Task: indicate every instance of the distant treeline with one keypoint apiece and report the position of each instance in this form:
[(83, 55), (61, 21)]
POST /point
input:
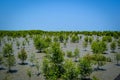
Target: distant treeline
[(40, 32)]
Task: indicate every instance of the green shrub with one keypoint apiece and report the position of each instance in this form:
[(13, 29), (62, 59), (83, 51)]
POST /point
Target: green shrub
[(22, 55), (113, 46), (98, 47), (85, 68), (86, 39), (107, 38), (69, 54), (75, 39), (71, 70), (117, 57)]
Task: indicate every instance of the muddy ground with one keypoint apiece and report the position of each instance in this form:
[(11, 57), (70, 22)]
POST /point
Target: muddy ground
[(109, 72)]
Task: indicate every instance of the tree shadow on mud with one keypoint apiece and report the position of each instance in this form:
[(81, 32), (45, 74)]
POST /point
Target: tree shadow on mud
[(117, 64), (118, 77), (2, 68), (39, 51), (23, 63), (33, 65), (105, 53), (99, 69), (113, 51), (12, 71), (86, 79)]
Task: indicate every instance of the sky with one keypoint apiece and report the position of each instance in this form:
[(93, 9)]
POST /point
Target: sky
[(58, 15)]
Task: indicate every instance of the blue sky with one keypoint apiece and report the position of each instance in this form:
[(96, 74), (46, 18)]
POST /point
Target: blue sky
[(59, 15)]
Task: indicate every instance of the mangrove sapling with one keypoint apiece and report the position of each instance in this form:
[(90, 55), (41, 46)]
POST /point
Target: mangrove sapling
[(55, 39), (100, 60), (9, 56), (107, 38), (65, 43), (32, 59), (80, 37), (85, 45), (86, 39), (90, 39), (71, 70), (37, 65), (117, 57), (45, 67), (40, 44), (24, 43), (61, 38), (22, 55), (7, 49), (1, 60), (118, 44), (52, 67), (75, 39), (29, 73), (97, 39), (76, 54), (18, 44), (9, 62), (85, 68), (98, 47), (94, 78), (66, 38), (113, 46), (69, 54)]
